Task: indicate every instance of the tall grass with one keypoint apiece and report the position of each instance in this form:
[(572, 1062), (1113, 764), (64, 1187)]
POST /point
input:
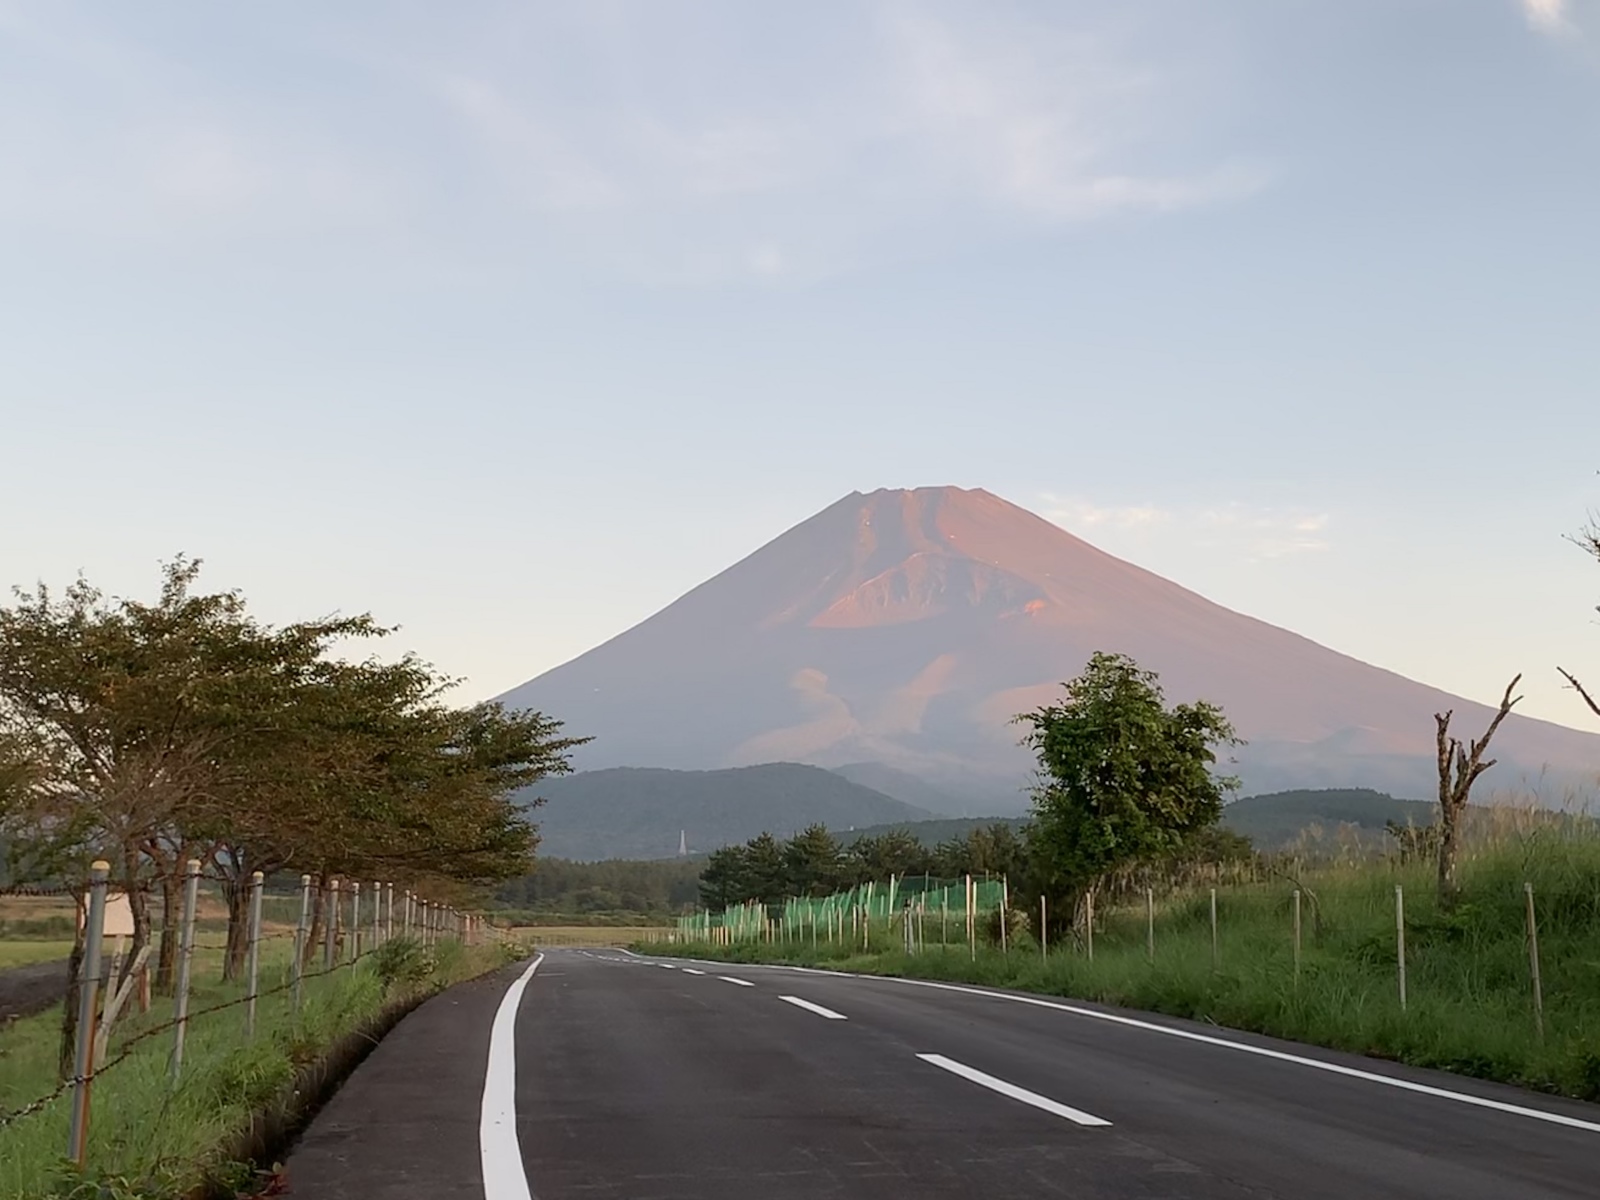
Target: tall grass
[(1470, 999), (149, 1138)]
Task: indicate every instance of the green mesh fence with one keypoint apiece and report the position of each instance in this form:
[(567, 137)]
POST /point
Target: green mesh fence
[(945, 899)]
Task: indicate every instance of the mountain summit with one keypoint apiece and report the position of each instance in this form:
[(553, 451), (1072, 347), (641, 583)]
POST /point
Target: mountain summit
[(907, 627)]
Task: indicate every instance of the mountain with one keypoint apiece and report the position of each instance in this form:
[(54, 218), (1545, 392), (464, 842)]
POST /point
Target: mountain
[(907, 627), (634, 812), (903, 785)]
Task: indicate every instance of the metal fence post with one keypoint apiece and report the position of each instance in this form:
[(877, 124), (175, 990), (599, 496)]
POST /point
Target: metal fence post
[(1088, 925), (180, 1004), (1533, 963), (1400, 940), (355, 919), (330, 906), (1044, 949), (1150, 924), (301, 932), (253, 952), (377, 914), (1215, 955), (88, 998), (388, 911), (1297, 939)]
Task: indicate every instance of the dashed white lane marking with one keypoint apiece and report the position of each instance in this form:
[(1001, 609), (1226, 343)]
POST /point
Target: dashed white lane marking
[(731, 979), (1299, 1060), (668, 966), (500, 1155), (816, 1008), (692, 971), (1076, 1115)]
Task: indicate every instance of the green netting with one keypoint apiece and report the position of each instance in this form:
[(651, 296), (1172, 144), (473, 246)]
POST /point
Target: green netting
[(867, 902)]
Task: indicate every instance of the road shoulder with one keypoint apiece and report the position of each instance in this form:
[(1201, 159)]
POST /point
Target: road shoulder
[(405, 1124)]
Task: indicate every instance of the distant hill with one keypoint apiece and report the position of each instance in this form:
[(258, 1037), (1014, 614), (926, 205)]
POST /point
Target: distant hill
[(638, 812), (912, 789), (1270, 821), (1276, 819)]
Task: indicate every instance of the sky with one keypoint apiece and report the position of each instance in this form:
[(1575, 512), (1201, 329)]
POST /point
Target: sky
[(510, 323)]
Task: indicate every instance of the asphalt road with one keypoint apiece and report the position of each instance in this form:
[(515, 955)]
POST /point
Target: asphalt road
[(617, 1076)]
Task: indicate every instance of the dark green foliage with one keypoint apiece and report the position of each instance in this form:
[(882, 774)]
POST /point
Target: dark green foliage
[(1126, 779), (1275, 819), (658, 887), (639, 812), (813, 862), (816, 863)]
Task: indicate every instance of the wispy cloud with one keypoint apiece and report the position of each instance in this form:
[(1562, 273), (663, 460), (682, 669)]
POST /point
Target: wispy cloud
[(701, 144), (1548, 16), (1251, 532)]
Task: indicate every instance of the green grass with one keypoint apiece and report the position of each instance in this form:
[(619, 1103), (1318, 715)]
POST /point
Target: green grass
[(1470, 1006), (20, 954), (161, 1140)]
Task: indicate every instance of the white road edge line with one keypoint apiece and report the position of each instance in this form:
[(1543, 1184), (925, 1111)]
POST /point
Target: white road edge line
[(1076, 1115), (499, 1152), (1299, 1060), (731, 979), (815, 1008)]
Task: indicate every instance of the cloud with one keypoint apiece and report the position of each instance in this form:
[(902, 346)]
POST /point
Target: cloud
[(1548, 16), (713, 143), (1035, 117), (1249, 532)]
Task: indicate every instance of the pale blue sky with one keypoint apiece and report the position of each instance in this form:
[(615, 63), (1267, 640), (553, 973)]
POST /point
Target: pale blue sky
[(514, 322)]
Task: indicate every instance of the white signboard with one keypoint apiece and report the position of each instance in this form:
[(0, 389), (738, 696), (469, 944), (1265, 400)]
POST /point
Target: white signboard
[(119, 914)]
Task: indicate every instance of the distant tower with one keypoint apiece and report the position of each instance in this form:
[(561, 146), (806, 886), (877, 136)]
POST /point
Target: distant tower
[(683, 843)]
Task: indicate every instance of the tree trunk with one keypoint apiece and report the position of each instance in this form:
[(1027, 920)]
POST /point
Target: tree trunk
[(313, 946), (1449, 892), (139, 906), (69, 1017), (167, 948), (237, 895)]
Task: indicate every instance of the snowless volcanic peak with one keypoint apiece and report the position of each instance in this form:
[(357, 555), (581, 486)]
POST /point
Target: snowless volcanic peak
[(908, 627)]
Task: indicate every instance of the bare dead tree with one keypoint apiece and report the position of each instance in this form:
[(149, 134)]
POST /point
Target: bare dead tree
[(1459, 767), (1578, 687)]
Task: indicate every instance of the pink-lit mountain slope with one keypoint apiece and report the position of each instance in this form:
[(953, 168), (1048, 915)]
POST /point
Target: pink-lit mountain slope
[(907, 627)]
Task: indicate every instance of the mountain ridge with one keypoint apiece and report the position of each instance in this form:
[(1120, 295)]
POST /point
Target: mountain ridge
[(907, 627)]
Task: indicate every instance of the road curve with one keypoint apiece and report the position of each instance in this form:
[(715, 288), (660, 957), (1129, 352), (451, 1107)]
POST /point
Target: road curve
[(655, 1078)]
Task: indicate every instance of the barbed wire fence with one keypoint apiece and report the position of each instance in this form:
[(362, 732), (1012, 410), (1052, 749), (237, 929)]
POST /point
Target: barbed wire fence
[(354, 926)]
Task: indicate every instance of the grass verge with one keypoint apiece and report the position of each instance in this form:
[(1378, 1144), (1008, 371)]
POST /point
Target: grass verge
[(149, 1138), (1469, 1004)]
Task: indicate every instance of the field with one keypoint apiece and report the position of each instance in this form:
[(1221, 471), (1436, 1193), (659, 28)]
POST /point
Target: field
[(590, 935), (1470, 1002)]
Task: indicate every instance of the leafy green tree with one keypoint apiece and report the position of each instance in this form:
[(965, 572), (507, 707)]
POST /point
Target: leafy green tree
[(894, 852), (1123, 777), (766, 875), (725, 878), (813, 860)]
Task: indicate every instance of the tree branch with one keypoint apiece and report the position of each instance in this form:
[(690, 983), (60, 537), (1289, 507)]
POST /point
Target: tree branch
[(1578, 687)]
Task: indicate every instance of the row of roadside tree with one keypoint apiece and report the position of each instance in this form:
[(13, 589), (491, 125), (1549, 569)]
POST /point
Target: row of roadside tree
[(152, 733)]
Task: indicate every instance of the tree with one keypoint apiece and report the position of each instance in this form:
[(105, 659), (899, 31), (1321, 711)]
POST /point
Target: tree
[(1587, 539), (1459, 768), (766, 879), (894, 852), (1123, 777), (725, 879), (812, 860)]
